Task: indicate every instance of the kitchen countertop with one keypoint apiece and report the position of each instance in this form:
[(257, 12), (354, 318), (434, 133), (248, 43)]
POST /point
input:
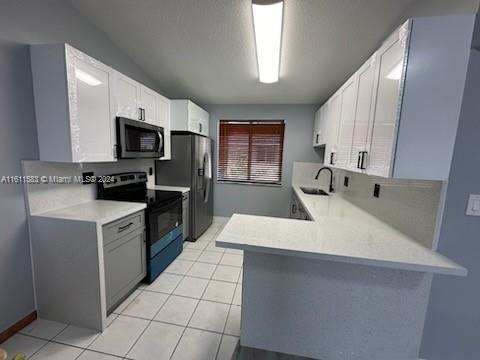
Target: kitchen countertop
[(169, 188), (340, 231), (99, 211)]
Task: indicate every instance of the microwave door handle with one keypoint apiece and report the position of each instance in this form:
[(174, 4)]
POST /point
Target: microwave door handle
[(160, 140)]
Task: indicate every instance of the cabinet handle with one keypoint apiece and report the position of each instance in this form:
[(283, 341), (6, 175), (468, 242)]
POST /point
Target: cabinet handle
[(200, 127), (332, 156), (363, 161), (316, 139), (359, 161), (141, 113), (123, 228)]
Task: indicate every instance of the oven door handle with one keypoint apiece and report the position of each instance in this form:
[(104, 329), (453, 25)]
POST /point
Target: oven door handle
[(166, 205)]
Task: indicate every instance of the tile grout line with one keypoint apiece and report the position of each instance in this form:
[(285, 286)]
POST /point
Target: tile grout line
[(48, 341), (186, 326), (150, 321)]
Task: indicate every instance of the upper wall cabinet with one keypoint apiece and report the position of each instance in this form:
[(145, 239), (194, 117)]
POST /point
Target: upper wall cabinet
[(164, 120), (188, 116), (126, 97), (77, 99), (397, 115), (320, 126), (134, 100), (362, 118), (72, 104)]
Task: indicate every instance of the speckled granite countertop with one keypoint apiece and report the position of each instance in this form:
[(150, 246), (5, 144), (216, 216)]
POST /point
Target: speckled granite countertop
[(340, 231), (98, 211)]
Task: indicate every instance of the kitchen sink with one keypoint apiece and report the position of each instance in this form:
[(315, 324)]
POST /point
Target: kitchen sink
[(313, 191)]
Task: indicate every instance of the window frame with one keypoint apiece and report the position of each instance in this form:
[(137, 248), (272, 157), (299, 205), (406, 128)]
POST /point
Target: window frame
[(249, 183)]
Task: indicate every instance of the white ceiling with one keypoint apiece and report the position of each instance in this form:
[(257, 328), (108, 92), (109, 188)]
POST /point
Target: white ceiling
[(204, 49)]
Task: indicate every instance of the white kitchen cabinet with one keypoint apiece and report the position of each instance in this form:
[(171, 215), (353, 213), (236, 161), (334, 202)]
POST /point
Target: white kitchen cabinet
[(134, 100), (126, 97), (316, 127), (332, 121), (363, 121), (148, 104), (319, 127), (407, 102), (72, 105), (391, 58), (77, 99), (164, 120), (188, 116), (348, 95)]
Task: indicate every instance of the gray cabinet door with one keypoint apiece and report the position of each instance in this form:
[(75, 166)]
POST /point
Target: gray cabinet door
[(125, 265)]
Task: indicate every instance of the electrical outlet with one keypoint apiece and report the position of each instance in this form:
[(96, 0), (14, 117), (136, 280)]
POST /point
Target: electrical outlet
[(376, 190), (345, 181)]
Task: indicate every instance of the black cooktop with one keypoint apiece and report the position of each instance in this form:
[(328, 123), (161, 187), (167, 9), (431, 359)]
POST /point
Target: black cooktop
[(150, 197), (132, 187)]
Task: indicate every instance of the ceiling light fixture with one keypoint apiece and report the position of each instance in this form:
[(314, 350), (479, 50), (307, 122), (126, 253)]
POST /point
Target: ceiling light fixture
[(267, 22), (86, 78)]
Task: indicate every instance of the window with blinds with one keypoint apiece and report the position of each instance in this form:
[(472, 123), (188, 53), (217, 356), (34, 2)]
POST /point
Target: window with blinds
[(250, 151)]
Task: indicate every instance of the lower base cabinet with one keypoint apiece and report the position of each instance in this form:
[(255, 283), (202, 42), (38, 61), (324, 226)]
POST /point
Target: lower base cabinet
[(296, 209), (124, 257)]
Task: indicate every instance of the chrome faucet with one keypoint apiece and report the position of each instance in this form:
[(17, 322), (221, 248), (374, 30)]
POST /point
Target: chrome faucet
[(330, 189)]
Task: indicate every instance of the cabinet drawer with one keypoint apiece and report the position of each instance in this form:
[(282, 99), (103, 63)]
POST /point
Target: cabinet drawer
[(122, 227)]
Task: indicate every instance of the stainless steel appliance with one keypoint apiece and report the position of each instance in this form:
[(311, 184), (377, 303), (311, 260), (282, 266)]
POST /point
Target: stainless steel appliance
[(136, 139), (163, 217), (191, 166)]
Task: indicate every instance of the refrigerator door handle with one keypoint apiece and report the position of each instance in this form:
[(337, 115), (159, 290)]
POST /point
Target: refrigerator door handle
[(207, 176)]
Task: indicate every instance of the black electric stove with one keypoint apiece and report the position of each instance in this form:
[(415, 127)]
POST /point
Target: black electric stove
[(163, 216)]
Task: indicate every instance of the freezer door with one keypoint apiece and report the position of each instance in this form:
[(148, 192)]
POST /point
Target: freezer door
[(178, 170), (203, 185)]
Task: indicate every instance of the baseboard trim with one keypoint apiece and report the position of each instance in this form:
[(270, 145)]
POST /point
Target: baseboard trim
[(19, 325)]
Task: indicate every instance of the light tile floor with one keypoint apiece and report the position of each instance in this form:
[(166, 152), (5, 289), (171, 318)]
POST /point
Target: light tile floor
[(192, 311)]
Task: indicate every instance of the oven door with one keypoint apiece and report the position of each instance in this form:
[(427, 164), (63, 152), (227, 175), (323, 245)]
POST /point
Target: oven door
[(136, 139), (164, 224)]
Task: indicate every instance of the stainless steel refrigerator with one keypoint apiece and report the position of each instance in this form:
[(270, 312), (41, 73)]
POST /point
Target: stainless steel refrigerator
[(191, 166)]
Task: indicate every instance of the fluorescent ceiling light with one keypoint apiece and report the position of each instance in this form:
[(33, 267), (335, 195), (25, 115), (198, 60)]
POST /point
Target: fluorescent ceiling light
[(267, 21), (396, 72), (86, 78)]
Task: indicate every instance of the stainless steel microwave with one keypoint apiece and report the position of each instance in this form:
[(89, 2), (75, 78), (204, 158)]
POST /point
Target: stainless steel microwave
[(136, 139)]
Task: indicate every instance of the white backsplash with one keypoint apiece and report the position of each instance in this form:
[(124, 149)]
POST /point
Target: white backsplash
[(46, 197), (411, 206), (304, 174)]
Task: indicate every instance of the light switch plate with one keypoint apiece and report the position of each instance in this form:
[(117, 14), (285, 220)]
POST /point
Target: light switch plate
[(473, 207)]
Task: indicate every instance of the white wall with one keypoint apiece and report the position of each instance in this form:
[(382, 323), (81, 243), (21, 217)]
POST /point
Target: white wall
[(258, 199), (452, 329), (24, 22), (453, 320)]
